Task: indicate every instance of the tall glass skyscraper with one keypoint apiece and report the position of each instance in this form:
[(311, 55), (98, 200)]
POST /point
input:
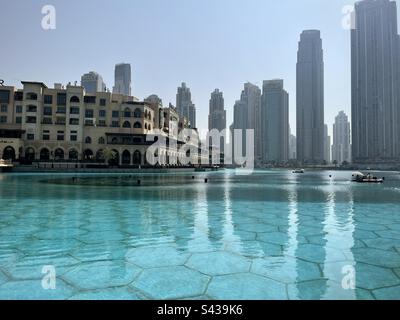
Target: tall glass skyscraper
[(375, 59), (184, 104), (310, 98), (93, 82), (123, 79), (217, 112), (274, 122)]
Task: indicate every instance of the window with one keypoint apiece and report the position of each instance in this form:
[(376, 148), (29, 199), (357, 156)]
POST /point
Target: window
[(30, 119), (74, 122), (102, 123), (48, 99), (47, 121), (89, 113), (88, 140), (31, 96), (18, 120), (4, 96), (102, 140), (46, 136), (90, 99), (4, 108), (137, 125), (126, 124), (30, 136), (60, 121), (61, 99), (61, 110), (47, 111), (115, 124), (127, 113), (137, 113), (18, 96), (74, 99), (102, 102), (73, 137), (31, 108), (18, 109), (115, 114), (74, 110), (60, 135), (3, 119), (102, 113)]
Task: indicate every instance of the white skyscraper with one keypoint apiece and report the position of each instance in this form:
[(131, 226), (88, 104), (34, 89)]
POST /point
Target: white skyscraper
[(341, 149), (123, 79), (327, 145)]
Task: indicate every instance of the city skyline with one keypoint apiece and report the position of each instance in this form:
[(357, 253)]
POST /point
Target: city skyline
[(160, 73)]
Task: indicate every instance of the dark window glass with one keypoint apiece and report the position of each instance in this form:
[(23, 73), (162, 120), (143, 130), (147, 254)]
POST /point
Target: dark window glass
[(30, 119), (61, 110), (18, 109), (115, 124), (47, 121), (18, 96), (102, 113), (74, 137), (4, 108), (74, 110), (30, 136), (3, 119), (115, 114), (31, 108), (90, 99), (61, 99), (48, 99), (18, 120), (74, 122), (46, 137), (102, 102), (102, 123), (89, 113), (47, 111)]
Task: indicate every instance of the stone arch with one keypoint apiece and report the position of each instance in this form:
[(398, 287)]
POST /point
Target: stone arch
[(126, 157)]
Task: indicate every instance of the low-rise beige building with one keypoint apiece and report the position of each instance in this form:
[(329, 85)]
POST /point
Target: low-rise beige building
[(41, 124)]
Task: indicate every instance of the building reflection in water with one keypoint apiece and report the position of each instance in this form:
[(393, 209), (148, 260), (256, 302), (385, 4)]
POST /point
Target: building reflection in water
[(339, 229), (201, 230)]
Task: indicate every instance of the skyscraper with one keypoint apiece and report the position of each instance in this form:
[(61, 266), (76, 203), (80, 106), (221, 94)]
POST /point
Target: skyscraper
[(327, 145), (122, 78), (93, 82), (310, 98), (375, 58), (251, 99), (247, 115), (217, 113), (184, 104), (341, 139), (274, 122)]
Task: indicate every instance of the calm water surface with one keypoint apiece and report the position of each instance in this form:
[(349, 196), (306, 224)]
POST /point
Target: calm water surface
[(271, 235)]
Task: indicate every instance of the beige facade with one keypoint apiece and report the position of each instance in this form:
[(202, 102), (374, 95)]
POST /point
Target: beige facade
[(66, 124)]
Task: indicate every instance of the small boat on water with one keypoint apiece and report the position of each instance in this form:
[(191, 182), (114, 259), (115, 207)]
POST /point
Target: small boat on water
[(298, 171), (5, 165), (359, 177)]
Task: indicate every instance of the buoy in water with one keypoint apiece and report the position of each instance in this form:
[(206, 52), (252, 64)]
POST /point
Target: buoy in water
[(206, 180)]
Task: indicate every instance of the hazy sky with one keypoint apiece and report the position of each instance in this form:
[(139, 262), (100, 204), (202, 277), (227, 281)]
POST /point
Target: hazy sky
[(206, 43)]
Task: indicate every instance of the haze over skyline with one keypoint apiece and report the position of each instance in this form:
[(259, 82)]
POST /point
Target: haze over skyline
[(207, 44)]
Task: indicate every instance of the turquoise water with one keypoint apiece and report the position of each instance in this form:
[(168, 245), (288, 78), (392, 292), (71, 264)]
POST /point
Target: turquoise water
[(271, 235)]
